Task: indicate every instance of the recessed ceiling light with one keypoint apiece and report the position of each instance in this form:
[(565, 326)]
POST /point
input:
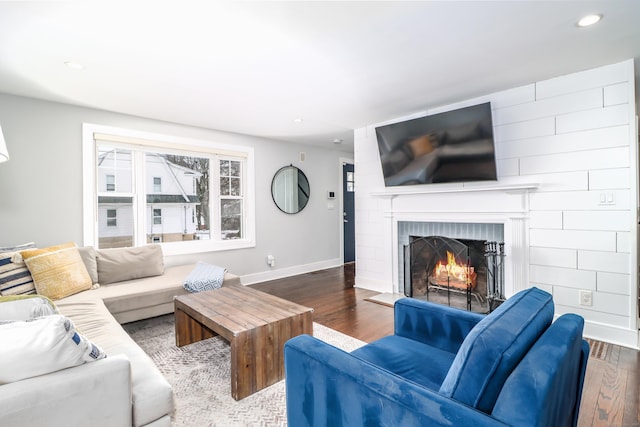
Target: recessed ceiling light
[(74, 65), (589, 20), (298, 120), (338, 141)]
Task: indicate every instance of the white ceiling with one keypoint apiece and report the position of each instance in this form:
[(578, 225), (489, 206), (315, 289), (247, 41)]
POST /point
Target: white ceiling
[(253, 67)]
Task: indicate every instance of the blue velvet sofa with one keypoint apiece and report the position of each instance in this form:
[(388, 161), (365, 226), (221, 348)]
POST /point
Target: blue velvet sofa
[(446, 367)]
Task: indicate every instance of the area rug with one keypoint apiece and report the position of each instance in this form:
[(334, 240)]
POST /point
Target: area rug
[(200, 376)]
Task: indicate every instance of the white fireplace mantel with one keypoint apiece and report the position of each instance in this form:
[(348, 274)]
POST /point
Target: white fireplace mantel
[(500, 203), (390, 192)]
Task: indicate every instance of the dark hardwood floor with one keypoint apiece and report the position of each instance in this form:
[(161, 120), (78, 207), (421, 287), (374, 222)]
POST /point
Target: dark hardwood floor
[(336, 303), (611, 395)]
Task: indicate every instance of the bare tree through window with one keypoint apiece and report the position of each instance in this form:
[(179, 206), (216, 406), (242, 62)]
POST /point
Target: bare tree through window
[(201, 165)]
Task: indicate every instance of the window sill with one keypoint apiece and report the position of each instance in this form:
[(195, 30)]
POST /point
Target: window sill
[(201, 246)]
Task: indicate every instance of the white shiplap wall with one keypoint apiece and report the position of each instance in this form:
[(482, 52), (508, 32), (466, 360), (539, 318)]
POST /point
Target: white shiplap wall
[(573, 135)]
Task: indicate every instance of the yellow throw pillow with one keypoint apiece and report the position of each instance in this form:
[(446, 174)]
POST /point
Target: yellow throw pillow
[(57, 271)]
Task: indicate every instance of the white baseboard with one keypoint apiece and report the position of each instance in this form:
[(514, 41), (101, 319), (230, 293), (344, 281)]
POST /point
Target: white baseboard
[(264, 276), (373, 285), (612, 334)]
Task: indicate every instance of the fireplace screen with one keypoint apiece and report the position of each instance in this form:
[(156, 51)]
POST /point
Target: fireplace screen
[(457, 272)]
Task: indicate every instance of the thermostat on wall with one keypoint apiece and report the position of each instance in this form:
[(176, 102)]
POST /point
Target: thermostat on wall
[(331, 194)]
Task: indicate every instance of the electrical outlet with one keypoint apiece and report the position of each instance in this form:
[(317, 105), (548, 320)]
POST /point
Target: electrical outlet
[(607, 199), (586, 298)]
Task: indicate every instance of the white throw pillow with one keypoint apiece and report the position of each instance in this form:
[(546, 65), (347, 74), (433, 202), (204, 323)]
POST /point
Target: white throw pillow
[(40, 346), (25, 307)]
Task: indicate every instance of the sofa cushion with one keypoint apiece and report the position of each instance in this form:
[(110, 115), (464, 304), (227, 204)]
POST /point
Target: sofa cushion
[(88, 255), (406, 358), (139, 293), (152, 394), (25, 307), (141, 298), (495, 346), (43, 345), (121, 264), (57, 271)]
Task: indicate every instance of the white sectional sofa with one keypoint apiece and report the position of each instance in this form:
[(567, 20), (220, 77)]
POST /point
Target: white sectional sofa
[(123, 389)]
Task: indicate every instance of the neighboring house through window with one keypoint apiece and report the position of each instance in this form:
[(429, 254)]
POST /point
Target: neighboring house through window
[(191, 195)]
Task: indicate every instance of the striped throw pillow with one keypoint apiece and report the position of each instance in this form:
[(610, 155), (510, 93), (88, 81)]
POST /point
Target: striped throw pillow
[(15, 279)]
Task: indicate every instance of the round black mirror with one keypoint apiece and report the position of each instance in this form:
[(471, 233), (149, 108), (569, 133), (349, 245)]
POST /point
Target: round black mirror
[(290, 189)]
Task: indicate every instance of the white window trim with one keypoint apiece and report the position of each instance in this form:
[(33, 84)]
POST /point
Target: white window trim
[(146, 139)]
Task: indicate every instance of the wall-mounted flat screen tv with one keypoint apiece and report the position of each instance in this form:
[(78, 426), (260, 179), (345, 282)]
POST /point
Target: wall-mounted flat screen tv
[(454, 146)]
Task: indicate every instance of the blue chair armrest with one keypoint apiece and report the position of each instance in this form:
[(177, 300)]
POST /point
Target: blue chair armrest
[(433, 324), (546, 386), (326, 386)]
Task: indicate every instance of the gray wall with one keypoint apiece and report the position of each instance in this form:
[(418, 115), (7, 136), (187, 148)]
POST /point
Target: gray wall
[(41, 186)]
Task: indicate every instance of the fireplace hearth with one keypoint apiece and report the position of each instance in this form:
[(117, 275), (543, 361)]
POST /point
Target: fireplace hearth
[(462, 273)]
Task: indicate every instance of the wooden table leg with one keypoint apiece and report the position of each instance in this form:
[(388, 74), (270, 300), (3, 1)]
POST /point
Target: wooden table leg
[(189, 330), (243, 365), (257, 355)]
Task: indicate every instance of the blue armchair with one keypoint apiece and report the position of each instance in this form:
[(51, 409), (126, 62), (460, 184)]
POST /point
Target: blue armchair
[(446, 367)]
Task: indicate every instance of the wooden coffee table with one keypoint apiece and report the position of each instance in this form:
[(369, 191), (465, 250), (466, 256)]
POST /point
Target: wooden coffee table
[(256, 325)]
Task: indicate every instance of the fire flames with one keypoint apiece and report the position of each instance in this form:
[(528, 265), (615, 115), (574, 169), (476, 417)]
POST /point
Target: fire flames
[(455, 273)]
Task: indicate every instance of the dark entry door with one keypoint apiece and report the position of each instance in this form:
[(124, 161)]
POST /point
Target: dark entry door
[(348, 197)]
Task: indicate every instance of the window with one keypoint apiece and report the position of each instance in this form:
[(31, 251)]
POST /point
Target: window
[(192, 198), (157, 216), (231, 199), (157, 184), (112, 218), (111, 183), (350, 182)]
